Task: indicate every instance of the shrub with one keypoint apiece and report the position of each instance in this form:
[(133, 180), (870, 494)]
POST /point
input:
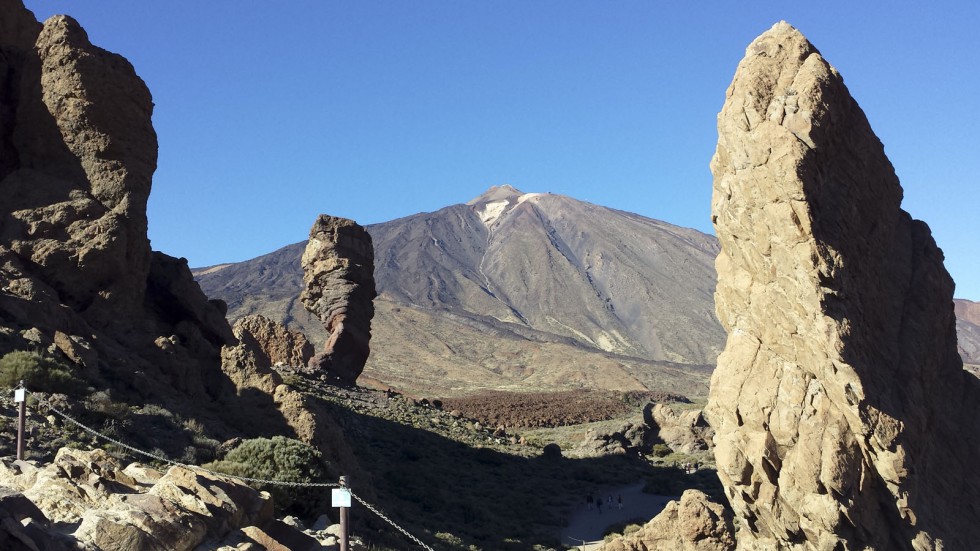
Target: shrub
[(280, 459), (661, 450), (40, 374), (551, 451)]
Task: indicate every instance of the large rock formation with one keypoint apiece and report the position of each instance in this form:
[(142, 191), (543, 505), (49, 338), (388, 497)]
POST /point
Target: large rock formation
[(844, 418), (78, 277), (282, 346), (693, 523), (134, 508), (338, 273)]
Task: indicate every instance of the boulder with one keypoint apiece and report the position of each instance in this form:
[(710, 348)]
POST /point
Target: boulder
[(338, 277), (685, 431), (694, 523), (281, 345), (843, 416)]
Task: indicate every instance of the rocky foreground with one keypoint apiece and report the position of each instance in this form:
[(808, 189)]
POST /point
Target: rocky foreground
[(88, 500)]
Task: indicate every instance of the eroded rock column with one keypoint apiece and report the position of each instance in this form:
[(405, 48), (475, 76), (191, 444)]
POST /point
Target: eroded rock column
[(842, 413), (338, 274)]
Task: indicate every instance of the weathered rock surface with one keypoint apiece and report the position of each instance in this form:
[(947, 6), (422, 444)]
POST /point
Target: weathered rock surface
[(338, 274), (694, 523), (281, 345), (684, 431), (78, 277), (109, 509), (78, 154), (844, 418)]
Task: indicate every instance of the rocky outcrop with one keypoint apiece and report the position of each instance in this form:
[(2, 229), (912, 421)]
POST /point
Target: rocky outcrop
[(694, 523), (76, 267), (281, 345), (685, 431), (338, 274), (135, 508), (844, 418)]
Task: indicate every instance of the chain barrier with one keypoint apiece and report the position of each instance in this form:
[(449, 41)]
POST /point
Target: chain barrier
[(43, 402), (389, 521)]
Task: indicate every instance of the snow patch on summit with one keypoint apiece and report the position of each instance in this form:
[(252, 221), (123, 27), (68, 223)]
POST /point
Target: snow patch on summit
[(491, 211)]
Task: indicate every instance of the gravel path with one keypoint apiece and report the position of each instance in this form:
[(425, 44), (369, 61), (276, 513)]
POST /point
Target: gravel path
[(586, 526)]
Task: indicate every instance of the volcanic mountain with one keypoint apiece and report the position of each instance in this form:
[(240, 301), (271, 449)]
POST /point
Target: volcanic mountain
[(529, 291), (571, 294)]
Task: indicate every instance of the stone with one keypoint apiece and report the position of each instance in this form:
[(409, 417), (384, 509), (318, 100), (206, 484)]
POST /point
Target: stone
[(281, 345), (694, 523), (223, 503), (24, 527), (338, 278), (684, 431), (78, 154), (321, 523), (280, 536), (843, 416)]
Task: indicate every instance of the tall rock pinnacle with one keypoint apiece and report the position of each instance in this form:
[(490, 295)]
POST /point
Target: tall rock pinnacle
[(338, 273), (844, 418)]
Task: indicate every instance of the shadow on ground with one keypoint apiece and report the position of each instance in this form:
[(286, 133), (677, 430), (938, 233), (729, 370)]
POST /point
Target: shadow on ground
[(455, 496)]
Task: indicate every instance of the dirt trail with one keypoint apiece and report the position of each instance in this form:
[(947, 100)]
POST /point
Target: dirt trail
[(585, 526)]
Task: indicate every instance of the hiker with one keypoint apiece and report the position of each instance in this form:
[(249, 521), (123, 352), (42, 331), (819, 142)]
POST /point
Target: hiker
[(588, 500), (598, 505), (619, 499)]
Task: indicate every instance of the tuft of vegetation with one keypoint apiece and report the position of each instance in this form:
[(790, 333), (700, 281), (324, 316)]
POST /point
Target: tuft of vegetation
[(280, 459), (39, 373)]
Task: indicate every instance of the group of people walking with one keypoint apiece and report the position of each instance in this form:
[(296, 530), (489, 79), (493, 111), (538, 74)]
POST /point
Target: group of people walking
[(597, 502)]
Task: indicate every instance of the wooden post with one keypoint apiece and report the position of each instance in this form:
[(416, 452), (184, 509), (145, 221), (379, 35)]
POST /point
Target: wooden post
[(19, 396), (344, 521)]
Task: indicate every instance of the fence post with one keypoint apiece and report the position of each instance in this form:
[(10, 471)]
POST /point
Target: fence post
[(344, 521), (21, 398)]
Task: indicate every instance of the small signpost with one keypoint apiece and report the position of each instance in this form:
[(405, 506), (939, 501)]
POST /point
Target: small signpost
[(20, 396), (340, 497)]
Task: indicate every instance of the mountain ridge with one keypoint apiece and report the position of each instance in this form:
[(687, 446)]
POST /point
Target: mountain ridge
[(584, 284)]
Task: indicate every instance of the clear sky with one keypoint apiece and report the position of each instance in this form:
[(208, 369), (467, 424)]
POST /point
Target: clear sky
[(269, 113)]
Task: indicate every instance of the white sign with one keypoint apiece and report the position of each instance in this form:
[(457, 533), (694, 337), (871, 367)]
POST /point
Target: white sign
[(19, 395), (340, 497)]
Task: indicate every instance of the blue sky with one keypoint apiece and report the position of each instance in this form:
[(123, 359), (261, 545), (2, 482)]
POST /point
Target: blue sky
[(271, 113)]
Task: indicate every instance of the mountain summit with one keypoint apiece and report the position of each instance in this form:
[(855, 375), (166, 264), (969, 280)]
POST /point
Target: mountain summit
[(533, 268)]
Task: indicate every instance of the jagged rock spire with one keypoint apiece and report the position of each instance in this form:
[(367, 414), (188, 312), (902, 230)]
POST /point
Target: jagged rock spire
[(844, 419)]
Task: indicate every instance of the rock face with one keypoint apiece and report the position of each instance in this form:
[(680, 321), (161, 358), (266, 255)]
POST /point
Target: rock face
[(78, 276), (338, 274), (844, 418), (282, 346), (684, 431), (692, 524), (135, 508)]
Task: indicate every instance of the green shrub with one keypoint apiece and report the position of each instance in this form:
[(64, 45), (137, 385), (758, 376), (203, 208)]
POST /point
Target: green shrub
[(661, 450), (280, 459), (40, 374)]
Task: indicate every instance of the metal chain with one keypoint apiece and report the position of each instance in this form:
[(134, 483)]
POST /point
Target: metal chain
[(389, 521), (98, 434)]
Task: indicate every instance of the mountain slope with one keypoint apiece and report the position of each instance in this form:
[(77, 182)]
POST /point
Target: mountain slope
[(576, 295), (611, 280)]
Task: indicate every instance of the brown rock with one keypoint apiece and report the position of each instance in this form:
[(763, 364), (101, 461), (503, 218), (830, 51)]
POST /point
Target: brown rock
[(338, 275), (279, 536), (694, 523), (844, 418), (281, 345), (683, 431), (224, 504)]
